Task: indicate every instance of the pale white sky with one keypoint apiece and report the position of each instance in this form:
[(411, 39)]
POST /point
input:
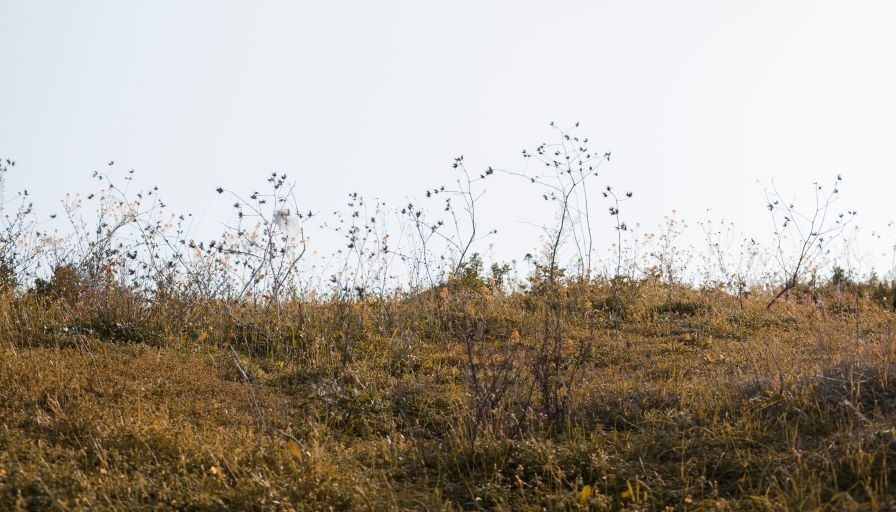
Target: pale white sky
[(697, 100)]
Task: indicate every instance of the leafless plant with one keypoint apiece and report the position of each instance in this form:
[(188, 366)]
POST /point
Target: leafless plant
[(802, 238), (570, 163)]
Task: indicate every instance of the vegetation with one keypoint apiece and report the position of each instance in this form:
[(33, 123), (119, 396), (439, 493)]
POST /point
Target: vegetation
[(142, 370)]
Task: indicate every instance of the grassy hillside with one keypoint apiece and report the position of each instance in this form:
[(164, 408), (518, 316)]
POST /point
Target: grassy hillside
[(587, 396), (141, 369)]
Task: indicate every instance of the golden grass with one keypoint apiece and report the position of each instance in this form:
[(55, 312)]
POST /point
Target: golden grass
[(450, 400)]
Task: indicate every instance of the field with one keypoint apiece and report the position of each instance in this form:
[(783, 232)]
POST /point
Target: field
[(601, 396), (141, 369)]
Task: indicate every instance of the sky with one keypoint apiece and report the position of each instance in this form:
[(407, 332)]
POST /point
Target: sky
[(700, 103)]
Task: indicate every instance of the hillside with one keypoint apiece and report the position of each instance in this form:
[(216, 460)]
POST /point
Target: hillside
[(600, 396)]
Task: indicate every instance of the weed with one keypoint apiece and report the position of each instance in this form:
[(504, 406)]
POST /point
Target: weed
[(142, 370)]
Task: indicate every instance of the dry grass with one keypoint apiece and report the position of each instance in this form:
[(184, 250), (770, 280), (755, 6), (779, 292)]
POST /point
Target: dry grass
[(450, 400)]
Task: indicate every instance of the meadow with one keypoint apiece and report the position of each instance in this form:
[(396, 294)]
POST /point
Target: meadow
[(143, 370)]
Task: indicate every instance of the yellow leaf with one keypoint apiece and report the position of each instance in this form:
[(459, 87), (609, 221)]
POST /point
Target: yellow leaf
[(202, 336), (294, 448), (586, 493)]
